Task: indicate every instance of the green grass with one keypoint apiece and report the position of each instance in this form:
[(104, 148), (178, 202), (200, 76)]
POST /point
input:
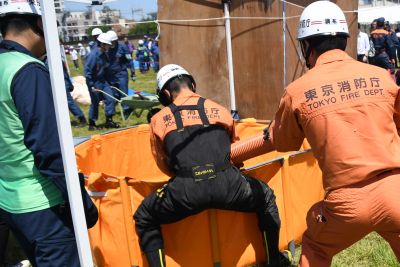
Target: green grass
[(371, 251), (144, 83)]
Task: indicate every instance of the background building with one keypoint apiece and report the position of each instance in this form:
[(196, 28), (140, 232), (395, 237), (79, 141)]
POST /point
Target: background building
[(58, 5), (374, 3)]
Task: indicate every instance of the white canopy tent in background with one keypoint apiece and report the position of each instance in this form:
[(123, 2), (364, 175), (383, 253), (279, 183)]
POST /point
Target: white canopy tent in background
[(390, 13)]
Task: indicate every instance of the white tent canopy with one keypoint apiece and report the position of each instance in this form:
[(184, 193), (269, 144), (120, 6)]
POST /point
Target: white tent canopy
[(390, 13)]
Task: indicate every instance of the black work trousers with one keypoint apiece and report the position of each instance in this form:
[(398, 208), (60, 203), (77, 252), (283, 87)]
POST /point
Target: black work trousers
[(183, 197), (4, 235)]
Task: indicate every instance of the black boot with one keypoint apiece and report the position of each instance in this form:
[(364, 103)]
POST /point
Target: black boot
[(274, 257), (156, 258), (127, 113), (110, 123), (93, 126), (82, 122)]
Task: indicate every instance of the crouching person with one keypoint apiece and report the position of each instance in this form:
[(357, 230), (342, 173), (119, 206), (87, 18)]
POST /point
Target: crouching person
[(195, 147), (33, 191)]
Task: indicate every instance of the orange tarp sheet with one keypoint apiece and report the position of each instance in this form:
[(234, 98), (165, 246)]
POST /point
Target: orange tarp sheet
[(123, 172)]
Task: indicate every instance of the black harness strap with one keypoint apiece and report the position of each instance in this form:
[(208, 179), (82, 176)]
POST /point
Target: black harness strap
[(199, 107), (197, 170)]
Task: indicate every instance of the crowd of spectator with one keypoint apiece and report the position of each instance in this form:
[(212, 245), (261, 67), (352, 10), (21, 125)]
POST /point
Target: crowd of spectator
[(381, 47)]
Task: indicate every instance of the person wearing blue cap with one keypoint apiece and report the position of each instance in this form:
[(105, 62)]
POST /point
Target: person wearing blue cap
[(384, 48), (89, 48)]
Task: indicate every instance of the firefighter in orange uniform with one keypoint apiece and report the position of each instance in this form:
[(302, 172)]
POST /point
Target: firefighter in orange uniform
[(191, 140), (350, 114)]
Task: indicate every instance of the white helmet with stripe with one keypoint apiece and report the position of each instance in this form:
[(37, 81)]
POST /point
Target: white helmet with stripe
[(20, 7), (168, 72), (322, 18)]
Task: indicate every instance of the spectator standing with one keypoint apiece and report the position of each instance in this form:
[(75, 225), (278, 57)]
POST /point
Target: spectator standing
[(95, 75), (154, 54), (74, 56), (371, 54), (142, 54), (34, 196), (145, 40), (362, 45), (89, 48), (82, 53), (130, 46), (120, 59), (384, 48)]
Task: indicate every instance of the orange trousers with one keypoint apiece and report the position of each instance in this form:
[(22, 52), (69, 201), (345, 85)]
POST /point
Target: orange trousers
[(349, 214)]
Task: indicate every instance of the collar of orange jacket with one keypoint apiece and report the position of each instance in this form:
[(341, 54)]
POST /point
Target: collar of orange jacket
[(332, 56), (184, 96)]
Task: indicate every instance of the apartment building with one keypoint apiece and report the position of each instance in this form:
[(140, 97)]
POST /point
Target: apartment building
[(58, 5), (78, 22)]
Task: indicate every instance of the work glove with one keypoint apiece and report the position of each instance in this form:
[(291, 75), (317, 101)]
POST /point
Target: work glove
[(93, 89), (133, 76)]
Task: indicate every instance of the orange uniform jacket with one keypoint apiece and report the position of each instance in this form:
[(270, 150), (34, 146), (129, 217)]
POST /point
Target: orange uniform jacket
[(164, 122), (349, 111)]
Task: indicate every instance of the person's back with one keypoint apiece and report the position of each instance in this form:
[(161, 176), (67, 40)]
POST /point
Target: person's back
[(341, 113), (350, 114), (74, 54), (384, 49), (191, 138)]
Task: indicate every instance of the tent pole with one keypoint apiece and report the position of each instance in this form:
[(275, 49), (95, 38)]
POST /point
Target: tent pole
[(230, 61), (64, 132), (284, 44)]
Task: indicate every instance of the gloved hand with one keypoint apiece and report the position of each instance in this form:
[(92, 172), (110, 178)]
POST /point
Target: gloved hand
[(133, 76), (392, 61), (93, 89), (237, 165)]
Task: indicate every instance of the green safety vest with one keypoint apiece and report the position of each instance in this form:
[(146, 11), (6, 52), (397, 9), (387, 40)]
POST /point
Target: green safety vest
[(22, 188)]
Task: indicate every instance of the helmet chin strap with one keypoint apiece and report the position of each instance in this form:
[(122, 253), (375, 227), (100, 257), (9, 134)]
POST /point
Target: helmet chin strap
[(308, 53)]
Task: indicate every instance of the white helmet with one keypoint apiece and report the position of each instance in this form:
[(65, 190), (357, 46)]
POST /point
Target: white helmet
[(104, 38), (322, 18), (141, 42), (398, 34), (96, 31), (20, 7), (168, 72), (71, 47), (113, 35), (79, 44)]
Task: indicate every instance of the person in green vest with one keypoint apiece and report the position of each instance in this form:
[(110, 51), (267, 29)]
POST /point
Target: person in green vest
[(33, 191)]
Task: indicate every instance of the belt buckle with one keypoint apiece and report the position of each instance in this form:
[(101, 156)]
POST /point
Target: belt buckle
[(205, 172)]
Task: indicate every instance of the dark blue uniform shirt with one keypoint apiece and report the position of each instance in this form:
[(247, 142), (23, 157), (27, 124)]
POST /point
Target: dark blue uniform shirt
[(154, 49), (95, 65), (118, 58), (31, 91), (66, 76), (383, 42), (140, 51)]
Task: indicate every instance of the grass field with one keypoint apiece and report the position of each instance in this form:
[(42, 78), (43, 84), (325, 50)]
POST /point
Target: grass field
[(371, 251)]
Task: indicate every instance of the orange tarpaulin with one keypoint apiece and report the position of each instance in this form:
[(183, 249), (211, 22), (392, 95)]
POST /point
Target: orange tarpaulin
[(123, 172)]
